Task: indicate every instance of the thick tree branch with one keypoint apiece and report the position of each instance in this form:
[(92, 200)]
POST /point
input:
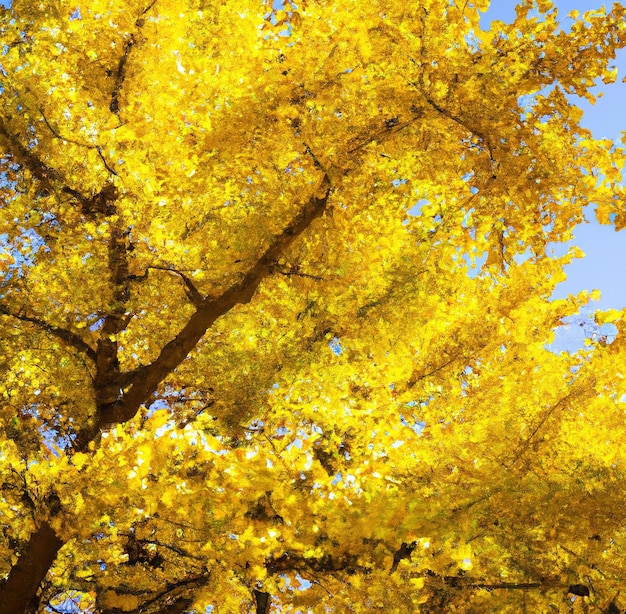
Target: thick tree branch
[(30, 570), (173, 353), (48, 176), (108, 379), (120, 75), (404, 552), (66, 336), (263, 602)]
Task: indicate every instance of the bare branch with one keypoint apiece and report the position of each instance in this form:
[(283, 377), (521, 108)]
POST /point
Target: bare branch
[(106, 165), (56, 133), (295, 270)]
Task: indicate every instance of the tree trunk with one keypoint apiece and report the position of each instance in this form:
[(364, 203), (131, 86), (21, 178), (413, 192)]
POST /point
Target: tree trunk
[(31, 568)]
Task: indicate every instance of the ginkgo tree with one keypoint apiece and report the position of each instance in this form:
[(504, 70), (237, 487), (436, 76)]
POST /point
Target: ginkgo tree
[(275, 309)]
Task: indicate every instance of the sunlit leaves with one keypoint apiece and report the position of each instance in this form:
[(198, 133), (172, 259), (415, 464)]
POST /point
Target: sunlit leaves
[(382, 426)]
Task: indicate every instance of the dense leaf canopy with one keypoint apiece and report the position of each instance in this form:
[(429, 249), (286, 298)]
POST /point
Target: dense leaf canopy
[(275, 309)]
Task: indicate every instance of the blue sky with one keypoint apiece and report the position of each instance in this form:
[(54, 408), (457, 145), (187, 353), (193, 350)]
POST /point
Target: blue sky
[(604, 266)]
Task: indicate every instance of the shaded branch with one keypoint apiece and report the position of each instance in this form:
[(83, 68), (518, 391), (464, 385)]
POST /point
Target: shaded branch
[(416, 378), (120, 74), (193, 294), (391, 126), (59, 136), (263, 601), (481, 137), (27, 158), (177, 594), (106, 165), (175, 549), (56, 133), (404, 552), (107, 379), (524, 586), (525, 445), (31, 568), (48, 176), (295, 270), (66, 336), (292, 561), (173, 353)]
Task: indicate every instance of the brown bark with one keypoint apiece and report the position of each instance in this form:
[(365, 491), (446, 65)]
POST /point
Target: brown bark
[(263, 602), (31, 568)]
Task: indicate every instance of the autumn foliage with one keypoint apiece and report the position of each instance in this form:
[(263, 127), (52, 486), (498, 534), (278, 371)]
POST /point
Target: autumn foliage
[(275, 309)]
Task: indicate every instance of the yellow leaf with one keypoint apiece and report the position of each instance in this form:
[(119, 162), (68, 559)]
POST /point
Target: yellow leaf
[(79, 459), (158, 419), (611, 315), (417, 583)]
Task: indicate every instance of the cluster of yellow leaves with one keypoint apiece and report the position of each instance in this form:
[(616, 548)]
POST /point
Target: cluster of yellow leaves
[(381, 389)]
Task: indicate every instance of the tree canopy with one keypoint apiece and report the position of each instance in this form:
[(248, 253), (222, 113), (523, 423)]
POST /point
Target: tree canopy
[(275, 309)]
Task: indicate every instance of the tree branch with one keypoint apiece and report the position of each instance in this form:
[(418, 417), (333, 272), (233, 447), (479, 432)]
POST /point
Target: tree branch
[(404, 552), (58, 135), (193, 294), (263, 601), (415, 377), (107, 379), (66, 336), (120, 74), (173, 353), (481, 137), (525, 445), (177, 593), (30, 570), (49, 176), (27, 158)]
